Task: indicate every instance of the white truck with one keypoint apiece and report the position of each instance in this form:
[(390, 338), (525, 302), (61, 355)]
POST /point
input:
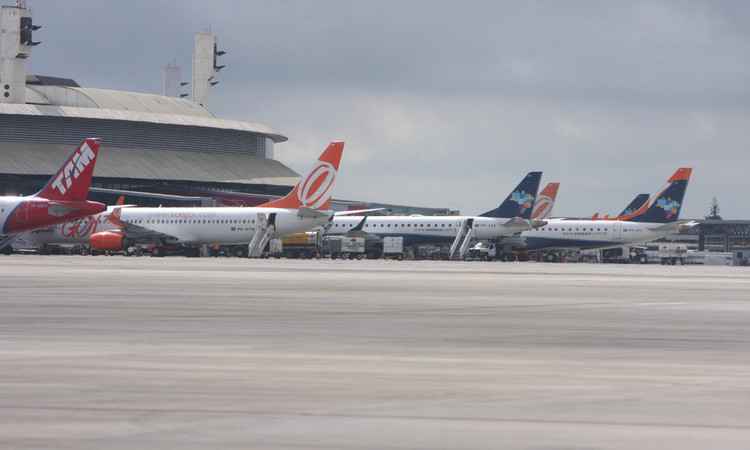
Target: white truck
[(346, 247), (482, 251), (671, 254), (393, 247)]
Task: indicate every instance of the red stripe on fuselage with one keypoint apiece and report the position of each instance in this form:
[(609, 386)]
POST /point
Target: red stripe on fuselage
[(39, 213)]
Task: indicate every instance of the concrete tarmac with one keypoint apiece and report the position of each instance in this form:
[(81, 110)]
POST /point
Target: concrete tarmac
[(175, 353)]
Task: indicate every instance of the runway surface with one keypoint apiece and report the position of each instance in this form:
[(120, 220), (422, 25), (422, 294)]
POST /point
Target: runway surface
[(174, 353)]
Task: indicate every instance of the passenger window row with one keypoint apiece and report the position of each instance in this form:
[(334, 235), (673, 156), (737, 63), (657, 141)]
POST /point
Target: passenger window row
[(193, 221)]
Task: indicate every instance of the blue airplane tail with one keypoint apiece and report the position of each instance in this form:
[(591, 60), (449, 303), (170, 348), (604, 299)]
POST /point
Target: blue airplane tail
[(520, 202), (667, 205), (634, 205)]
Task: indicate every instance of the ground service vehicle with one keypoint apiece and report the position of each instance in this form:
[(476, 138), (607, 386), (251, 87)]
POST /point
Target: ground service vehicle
[(298, 245), (346, 247), (671, 254), (393, 247)]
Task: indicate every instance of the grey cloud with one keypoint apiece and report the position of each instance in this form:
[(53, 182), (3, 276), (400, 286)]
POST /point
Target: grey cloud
[(449, 103)]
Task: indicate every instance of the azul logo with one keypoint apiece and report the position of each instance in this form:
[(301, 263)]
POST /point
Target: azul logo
[(524, 200), (670, 207), (315, 190), (73, 169)]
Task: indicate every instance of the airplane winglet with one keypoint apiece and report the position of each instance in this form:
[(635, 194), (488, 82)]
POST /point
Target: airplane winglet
[(360, 226), (115, 217)]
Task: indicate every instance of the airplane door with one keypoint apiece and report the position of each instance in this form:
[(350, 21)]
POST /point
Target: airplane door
[(617, 231)]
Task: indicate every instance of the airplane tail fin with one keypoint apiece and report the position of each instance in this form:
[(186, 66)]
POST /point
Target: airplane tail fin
[(520, 202), (636, 207), (315, 188), (73, 180), (666, 206), (545, 202)]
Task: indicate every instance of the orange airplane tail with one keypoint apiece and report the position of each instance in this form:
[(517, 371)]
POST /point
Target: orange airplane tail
[(314, 190)]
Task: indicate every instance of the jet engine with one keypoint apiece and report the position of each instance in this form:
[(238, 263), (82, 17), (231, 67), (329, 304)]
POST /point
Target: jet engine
[(107, 241)]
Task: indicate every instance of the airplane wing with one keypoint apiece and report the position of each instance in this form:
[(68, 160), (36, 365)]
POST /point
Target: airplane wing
[(675, 226), (358, 212), (310, 213), (357, 231), (59, 209), (137, 232), (518, 224)]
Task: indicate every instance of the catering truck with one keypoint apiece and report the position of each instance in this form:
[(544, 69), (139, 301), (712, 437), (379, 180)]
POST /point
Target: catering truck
[(299, 245)]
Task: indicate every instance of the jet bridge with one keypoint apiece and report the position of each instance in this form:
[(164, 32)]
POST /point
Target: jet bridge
[(463, 239)]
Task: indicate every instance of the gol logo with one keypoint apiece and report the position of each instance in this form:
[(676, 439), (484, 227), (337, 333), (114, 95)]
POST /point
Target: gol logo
[(542, 206), (79, 228), (316, 189), (73, 169)]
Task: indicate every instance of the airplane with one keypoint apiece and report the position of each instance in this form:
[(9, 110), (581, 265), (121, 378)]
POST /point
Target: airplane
[(62, 199), (511, 217), (543, 206), (306, 207), (70, 233), (658, 219), (545, 202)]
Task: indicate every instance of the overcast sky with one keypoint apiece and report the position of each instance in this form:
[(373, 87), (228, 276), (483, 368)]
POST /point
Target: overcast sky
[(451, 103)]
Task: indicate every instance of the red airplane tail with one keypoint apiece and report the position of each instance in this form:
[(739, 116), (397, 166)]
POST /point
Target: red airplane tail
[(72, 181), (545, 202), (314, 189)]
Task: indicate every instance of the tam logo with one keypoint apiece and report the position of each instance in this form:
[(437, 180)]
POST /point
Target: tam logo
[(524, 200), (73, 169), (316, 188), (670, 207)]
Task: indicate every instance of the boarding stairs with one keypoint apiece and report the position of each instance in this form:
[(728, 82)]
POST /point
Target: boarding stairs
[(265, 227), (463, 239)]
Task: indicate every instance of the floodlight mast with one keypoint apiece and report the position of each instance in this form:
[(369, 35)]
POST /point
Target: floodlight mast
[(205, 66)]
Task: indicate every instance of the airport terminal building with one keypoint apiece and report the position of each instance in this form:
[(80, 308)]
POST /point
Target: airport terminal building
[(151, 143), (167, 145), (164, 149)]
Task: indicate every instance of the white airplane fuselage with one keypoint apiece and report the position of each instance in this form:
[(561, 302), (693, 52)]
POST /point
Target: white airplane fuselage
[(21, 214), (584, 234), (223, 225), (74, 232), (426, 229)]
